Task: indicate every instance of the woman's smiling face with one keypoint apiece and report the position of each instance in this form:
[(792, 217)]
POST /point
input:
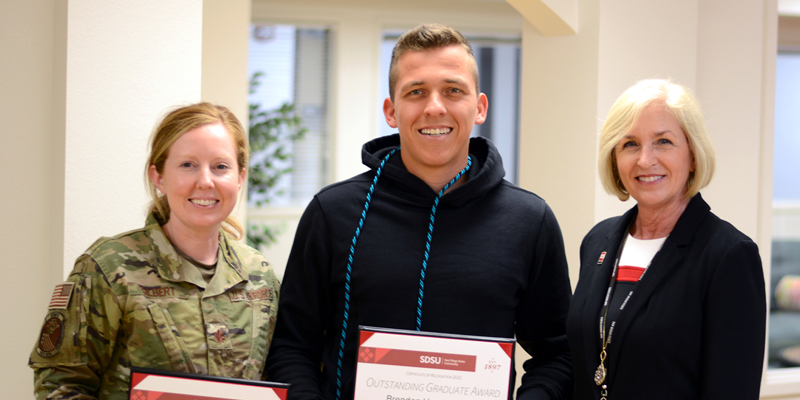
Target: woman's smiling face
[(201, 179), (654, 160)]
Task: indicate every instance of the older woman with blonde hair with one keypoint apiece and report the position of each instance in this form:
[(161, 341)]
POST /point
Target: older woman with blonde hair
[(181, 293), (670, 303)]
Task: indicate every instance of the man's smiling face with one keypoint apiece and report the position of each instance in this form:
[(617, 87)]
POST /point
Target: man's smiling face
[(435, 107)]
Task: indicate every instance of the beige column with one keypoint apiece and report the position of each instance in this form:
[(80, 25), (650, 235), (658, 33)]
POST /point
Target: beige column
[(27, 36), (224, 79)]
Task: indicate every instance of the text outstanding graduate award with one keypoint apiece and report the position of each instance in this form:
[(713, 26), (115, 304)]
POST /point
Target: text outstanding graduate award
[(396, 364)]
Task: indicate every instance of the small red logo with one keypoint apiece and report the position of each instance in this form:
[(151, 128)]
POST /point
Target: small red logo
[(367, 355), (138, 395), (602, 258)]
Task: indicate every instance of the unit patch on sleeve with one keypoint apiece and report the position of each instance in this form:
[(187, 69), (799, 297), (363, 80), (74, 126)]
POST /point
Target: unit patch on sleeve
[(52, 334), (61, 295)]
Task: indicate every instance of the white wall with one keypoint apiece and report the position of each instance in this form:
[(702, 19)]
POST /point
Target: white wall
[(127, 63), (82, 84)]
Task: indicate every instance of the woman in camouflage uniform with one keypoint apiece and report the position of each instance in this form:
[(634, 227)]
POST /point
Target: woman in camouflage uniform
[(180, 294)]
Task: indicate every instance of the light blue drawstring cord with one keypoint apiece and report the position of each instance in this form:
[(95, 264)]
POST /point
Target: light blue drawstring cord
[(360, 226), (428, 242)]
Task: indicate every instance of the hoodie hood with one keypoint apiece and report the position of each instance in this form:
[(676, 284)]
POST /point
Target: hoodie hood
[(486, 172)]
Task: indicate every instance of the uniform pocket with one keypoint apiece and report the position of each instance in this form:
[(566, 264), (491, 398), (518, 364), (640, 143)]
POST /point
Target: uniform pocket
[(178, 354), (264, 319)]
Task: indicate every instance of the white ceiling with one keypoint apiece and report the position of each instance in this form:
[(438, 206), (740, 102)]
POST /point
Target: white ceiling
[(789, 7)]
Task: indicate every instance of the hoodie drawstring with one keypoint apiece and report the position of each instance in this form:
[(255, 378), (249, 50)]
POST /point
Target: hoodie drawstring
[(353, 250)]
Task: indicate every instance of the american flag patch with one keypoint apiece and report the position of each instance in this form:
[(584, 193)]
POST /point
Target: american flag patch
[(61, 295)]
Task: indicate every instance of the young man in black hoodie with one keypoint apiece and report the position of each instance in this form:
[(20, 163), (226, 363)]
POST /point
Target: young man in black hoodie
[(432, 238)]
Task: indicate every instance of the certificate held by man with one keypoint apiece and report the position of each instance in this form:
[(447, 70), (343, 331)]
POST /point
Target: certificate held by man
[(396, 364)]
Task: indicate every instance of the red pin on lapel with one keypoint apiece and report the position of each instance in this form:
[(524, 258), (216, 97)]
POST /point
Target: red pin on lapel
[(602, 258)]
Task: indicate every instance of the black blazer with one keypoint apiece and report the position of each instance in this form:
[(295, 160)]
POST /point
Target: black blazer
[(694, 327)]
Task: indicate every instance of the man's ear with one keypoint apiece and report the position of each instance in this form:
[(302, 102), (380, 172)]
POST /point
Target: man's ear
[(388, 112), (483, 109)]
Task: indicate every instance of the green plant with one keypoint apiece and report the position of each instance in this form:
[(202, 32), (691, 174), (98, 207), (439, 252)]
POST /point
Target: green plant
[(270, 132), (262, 234)]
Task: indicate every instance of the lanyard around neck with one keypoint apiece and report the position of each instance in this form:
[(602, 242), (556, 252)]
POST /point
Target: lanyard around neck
[(605, 338), (612, 286)]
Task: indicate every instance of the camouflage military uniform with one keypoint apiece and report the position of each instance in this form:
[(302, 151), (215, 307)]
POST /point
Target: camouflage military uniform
[(132, 301)]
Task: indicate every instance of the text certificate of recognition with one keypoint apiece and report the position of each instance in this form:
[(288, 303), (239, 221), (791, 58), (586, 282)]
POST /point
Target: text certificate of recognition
[(397, 364)]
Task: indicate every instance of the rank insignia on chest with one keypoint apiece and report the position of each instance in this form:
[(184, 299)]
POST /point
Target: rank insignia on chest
[(218, 336), (602, 258), (61, 295)]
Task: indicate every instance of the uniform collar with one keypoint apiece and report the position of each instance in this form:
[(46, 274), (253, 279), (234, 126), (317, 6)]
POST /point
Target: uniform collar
[(172, 267)]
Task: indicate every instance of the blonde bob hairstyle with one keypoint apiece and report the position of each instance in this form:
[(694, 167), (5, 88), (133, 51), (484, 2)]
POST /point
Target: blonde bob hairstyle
[(172, 127), (682, 105)]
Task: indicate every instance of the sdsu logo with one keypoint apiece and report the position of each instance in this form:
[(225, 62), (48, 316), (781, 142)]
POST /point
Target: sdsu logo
[(430, 360), (492, 366)]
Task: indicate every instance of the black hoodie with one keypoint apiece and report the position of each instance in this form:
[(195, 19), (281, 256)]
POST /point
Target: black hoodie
[(496, 268)]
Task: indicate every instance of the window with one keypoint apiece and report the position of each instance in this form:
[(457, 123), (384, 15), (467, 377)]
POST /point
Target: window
[(784, 321), (498, 59), (294, 62)]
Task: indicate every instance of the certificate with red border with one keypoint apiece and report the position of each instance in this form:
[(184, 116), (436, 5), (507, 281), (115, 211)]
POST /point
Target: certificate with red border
[(398, 364), (153, 384)]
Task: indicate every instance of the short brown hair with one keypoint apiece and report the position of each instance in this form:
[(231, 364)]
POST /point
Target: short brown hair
[(172, 127), (429, 37)]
